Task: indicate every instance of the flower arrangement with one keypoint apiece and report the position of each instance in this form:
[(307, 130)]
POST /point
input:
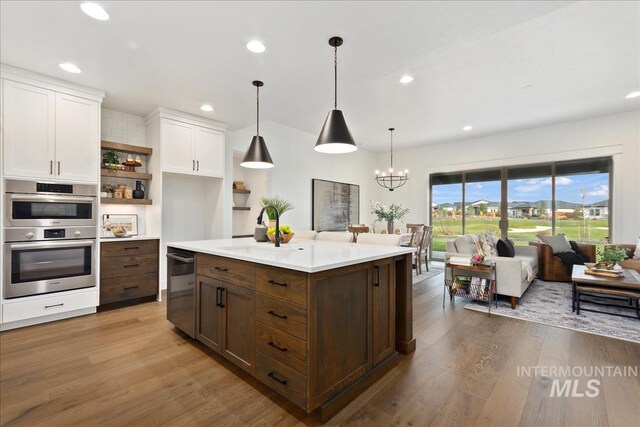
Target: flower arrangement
[(477, 258), (390, 213)]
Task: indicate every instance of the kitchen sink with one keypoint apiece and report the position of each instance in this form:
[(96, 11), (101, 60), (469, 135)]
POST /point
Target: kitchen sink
[(260, 250)]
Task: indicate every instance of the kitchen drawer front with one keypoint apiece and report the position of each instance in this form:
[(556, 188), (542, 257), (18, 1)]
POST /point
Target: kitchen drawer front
[(124, 288), (286, 284), (282, 379), (228, 270), (126, 266), (57, 303), (132, 247), (282, 315), (283, 347)]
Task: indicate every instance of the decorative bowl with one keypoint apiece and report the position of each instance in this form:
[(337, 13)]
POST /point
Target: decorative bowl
[(285, 237), (119, 233)]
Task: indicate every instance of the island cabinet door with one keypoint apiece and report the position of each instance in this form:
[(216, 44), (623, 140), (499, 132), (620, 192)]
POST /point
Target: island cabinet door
[(208, 312), (239, 326), (383, 311), (339, 331)]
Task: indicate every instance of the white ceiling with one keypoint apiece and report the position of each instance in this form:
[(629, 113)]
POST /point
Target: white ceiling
[(470, 61)]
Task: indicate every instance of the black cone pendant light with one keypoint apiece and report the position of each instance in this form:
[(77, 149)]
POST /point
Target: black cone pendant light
[(257, 156), (335, 136)]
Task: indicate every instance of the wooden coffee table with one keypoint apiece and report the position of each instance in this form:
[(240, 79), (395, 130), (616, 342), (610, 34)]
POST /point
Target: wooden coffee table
[(624, 289)]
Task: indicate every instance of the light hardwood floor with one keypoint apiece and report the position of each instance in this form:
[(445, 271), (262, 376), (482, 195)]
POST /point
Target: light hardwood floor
[(130, 367)]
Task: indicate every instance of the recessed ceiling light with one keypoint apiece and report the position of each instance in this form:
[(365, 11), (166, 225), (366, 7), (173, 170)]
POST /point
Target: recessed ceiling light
[(633, 95), (406, 79), (255, 46), (467, 127), (70, 68), (206, 107), (95, 11)]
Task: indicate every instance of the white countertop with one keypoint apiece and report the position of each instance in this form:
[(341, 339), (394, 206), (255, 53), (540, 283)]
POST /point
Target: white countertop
[(309, 256), (105, 239)]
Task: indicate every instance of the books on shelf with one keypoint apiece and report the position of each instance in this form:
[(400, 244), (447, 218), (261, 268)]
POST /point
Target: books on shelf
[(460, 260)]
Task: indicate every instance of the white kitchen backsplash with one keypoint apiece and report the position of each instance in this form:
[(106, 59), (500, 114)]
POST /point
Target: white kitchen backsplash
[(122, 127)]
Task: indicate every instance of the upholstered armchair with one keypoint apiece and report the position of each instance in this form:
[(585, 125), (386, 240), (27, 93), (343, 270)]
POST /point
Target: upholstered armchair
[(551, 268)]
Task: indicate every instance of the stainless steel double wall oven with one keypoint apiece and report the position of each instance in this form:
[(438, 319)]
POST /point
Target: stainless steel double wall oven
[(49, 237)]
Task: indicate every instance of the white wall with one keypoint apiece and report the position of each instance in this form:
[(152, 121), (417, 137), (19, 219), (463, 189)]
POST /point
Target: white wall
[(296, 164), (616, 135), (244, 222)]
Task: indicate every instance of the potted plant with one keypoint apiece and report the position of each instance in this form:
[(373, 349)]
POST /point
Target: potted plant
[(611, 257), (389, 214), (111, 160), (280, 203)]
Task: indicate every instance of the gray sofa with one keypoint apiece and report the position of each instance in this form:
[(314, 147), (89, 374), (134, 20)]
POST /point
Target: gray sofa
[(511, 273)]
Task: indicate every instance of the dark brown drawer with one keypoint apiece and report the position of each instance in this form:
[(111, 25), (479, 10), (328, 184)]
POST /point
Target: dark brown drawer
[(130, 287), (282, 379), (228, 270), (286, 284), (132, 247), (128, 265), (282, 315), (283, 347)]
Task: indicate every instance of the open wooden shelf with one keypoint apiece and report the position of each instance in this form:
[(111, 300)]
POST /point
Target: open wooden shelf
[(126, 148), (241, 208), (112, 201), (241, 191), (124, 174)]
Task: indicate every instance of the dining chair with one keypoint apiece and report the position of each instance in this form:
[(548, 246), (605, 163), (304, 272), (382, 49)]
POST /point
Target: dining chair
[(423, 244), (305, 234), (415, 230), (335, 236), (380, 239), (357, 229)]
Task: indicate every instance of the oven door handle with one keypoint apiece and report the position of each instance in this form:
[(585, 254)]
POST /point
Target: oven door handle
[(49, 198), (50, 245)]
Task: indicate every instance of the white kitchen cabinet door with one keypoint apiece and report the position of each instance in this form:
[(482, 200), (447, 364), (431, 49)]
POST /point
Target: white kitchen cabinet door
[(29, 130), (77, 139), (209, 152), (178, 147)]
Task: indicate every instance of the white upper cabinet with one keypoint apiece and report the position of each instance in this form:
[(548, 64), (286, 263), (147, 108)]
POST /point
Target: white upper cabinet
[(77, 141), (191, 149), (48, 131), (209, 147), (29, 130)]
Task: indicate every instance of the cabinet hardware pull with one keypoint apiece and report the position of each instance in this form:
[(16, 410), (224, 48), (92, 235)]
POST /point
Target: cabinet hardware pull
[(131, 248), (130, 265), (58, 168), (217, 295), (276, 347), (193, 165), (273, 282), (50, 167), (197, 165), (220, 268), (221, 291), (130, 287), (273, 376), (271, 312), (54, 305), (377, 276)]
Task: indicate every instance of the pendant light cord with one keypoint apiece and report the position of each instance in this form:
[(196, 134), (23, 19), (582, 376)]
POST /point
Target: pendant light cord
[(391, 149), (335, 77), (257, 110)]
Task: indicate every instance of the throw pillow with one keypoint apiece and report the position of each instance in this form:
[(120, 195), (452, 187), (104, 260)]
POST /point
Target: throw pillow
[(574, 246), (505, 248), (636, 254), (558, 243)]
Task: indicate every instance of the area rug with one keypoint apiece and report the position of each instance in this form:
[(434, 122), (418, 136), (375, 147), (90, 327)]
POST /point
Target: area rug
[(434, 270), (549, 303)]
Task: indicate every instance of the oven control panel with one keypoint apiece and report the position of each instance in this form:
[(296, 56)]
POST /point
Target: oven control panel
[(32, 234)]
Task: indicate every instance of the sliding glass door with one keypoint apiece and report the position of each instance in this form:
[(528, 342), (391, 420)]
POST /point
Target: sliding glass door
[(522, 202)]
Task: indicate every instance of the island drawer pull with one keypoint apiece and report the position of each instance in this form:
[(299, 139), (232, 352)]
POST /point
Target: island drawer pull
[(221, 268), (131, 265), (131, 287), (273, 282), (377, 276), (219, 297), (273, 313), (54, 305), (273, 376), (270, 343), (131, 248)]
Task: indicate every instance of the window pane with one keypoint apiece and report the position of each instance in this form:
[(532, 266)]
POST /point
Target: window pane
[(446, 216), (529, 203), (482, 202)]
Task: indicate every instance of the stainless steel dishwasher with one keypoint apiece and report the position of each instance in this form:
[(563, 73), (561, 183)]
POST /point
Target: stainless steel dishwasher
[(181, 281)]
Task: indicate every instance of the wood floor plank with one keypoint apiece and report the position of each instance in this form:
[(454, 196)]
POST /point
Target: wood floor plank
[(131, 367)]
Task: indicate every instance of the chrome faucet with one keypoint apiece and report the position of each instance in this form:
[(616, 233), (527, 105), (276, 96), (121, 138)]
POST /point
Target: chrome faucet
[(277, 237)]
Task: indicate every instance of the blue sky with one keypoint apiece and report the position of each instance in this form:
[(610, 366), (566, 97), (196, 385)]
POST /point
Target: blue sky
[(596, 187)]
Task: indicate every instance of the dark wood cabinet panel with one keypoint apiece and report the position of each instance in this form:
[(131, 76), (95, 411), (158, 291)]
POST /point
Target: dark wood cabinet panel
[(383, 311), (286, 284), (130, 247), (124, 288), (125, 266), (282, 315), (283, 347), (208, 312), (238, 326), (282, 379), (239, 273)]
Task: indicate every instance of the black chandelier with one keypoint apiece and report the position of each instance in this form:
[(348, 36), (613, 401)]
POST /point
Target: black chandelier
[(392, 180)]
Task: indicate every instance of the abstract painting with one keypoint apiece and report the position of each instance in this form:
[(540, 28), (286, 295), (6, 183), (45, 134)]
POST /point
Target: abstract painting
[(335, 205)]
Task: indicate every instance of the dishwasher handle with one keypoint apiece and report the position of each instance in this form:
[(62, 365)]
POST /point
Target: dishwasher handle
[(180, 258)]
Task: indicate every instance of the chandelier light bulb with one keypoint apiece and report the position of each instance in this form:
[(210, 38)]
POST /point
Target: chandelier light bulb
[(390, 170), (406, 171), (377, 172)]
